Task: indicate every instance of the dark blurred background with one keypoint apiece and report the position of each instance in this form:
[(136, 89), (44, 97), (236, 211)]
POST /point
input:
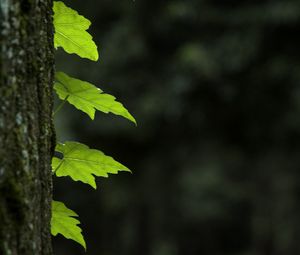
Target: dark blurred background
[(215, 88)]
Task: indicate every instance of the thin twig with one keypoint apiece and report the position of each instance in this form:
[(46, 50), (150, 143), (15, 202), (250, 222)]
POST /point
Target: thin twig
[(60, 106)]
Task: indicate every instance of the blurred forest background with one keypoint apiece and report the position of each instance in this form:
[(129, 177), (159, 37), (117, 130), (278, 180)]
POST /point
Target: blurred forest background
[(215, 88)]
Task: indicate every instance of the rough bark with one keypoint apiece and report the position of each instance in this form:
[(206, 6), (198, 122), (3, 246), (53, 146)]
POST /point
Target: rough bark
[(26, 129)]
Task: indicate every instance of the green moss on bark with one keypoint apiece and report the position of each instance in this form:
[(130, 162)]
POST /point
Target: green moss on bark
[(26, 128)]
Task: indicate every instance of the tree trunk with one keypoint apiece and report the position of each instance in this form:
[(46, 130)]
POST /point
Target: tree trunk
[(26, 128)]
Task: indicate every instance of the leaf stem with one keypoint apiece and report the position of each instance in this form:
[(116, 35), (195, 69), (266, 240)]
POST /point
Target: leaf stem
[(59, 165), (60, 106)]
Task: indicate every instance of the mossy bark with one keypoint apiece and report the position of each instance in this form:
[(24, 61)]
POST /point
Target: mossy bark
[(26, 127)]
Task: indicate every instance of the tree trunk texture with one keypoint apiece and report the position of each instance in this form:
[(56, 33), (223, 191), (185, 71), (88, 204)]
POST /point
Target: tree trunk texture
[(26, 127)]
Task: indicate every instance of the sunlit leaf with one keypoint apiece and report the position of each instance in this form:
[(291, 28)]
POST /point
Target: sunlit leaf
[(71, 34), (82, 163), (87, 97), (63, 222)]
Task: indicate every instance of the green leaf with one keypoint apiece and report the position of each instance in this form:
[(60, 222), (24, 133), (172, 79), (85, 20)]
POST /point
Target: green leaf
[(63, 222), (71, 34), (81, 163), (87, 97)]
